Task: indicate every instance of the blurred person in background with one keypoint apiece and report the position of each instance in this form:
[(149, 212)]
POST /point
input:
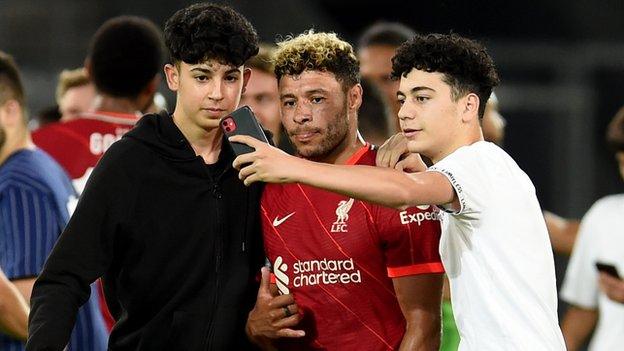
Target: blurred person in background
[(13, 310), (35, 197), (125, 85), (597, 299), (376, 47), (262, 95), (375, 118), (75, 94)]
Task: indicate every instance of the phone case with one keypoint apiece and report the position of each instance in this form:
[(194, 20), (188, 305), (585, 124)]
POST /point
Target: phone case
[(242, 122), (608, 269)]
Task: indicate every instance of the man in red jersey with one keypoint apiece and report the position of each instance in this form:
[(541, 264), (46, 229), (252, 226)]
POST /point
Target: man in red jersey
[(124, 60), (364, 277), (125, 84)]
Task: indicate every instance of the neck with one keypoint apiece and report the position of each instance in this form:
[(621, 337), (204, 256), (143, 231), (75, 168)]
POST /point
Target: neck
[(464, 139), (205, 142), (343, 151), (115, 104), (20, 141)]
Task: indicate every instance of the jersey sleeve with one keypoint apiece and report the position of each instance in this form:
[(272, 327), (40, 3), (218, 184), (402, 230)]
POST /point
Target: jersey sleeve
[(465, 179), (580, 286), (410, 240), (31, 226)]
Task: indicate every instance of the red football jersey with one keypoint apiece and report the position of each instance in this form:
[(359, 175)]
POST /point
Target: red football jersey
[(337, 256), (78, 144)]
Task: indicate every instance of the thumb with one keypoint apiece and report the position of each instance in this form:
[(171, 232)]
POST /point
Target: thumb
[(264, 282)]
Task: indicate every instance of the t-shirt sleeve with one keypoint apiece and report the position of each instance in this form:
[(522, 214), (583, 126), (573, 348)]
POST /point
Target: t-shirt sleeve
[(31, 226), (580, 286), (464, 177), (410, 240)]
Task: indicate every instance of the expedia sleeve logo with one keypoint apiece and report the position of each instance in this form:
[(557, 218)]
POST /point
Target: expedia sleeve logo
[(315, 272)]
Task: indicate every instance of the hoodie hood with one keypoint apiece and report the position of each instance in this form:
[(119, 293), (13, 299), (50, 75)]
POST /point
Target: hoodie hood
[(158, 132)]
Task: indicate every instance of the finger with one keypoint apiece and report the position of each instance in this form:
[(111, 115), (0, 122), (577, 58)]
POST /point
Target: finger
[(400, 166), (244, 159), (251, 179), (394, 158), (290, 333), (245, 139), (288, 322), (282, 300), (246, 171), (265, 283)]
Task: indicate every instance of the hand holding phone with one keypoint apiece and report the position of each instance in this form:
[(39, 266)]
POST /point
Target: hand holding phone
[(608, 269), (242, 122)]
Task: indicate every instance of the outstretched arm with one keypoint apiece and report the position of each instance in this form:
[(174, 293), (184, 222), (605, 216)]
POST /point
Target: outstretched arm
[(384, 186)]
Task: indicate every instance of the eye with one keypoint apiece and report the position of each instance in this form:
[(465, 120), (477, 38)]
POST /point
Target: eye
[(317, 100), (201, 78), (288, 103), (421, 99), (232, 78), (401, 101)]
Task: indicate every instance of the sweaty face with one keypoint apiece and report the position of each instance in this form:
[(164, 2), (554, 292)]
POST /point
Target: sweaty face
[(376, 66), (262, 96), (76, 101), (314, 112), (206, 91), (429, 117)]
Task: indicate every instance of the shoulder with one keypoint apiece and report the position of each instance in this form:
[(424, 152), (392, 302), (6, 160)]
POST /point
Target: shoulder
[(608, 203)]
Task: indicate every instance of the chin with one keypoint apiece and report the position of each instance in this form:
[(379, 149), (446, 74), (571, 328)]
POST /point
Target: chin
[(415, 147)]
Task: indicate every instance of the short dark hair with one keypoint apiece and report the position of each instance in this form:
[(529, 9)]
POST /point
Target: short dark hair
[(11, 87), (126, 53), (385, 33), (374, 116), (615, 132), (209, 31), (311, 51), (466, 65)]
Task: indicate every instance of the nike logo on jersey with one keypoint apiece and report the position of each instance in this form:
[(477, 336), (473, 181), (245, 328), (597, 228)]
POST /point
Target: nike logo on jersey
[(277, 221)]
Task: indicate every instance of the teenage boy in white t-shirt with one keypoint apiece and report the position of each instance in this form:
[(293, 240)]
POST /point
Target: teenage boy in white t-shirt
[(494, 245), (600, 239)]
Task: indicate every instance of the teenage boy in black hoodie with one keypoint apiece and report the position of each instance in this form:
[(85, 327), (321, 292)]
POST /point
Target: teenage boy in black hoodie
[(164, 218)]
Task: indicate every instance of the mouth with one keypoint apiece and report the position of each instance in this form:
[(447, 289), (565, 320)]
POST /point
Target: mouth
[(304, 136), (214, 110), (411, 133)]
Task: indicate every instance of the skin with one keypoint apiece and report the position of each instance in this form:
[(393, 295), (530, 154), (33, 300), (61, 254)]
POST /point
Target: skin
[(206, 92), (321, 120), (76, 101), (13, 310), (376, 66), (14, 137), (262, 95), (434, 124)]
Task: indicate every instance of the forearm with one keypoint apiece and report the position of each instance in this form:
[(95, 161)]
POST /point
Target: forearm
[(422, 336), (13, 311), (55, 304), (384, 186), (577, 325), (562, 232)]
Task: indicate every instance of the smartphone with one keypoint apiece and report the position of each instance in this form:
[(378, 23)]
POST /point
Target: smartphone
[(242, 122), (608, 269)]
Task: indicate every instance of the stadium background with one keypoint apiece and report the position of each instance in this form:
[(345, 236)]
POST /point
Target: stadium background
[(561, 64)]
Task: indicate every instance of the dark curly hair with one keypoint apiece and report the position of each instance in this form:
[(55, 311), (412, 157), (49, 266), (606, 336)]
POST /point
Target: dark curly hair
[(126, 53), (466, 65), (209, 31), (615, 132)]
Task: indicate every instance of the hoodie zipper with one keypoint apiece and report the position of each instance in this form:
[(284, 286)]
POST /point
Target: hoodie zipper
[(218, 196)]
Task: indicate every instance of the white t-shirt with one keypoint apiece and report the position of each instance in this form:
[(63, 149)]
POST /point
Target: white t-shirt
[(600, 239), (497, 254)]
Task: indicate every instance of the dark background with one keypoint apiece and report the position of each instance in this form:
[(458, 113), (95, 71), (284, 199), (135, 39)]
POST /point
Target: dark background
[(561, 63)]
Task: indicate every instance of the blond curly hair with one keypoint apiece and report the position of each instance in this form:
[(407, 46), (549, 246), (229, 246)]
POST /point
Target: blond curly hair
[(311, 51)]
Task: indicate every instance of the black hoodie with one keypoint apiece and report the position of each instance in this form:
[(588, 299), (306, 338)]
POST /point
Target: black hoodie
[(178, 244)]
